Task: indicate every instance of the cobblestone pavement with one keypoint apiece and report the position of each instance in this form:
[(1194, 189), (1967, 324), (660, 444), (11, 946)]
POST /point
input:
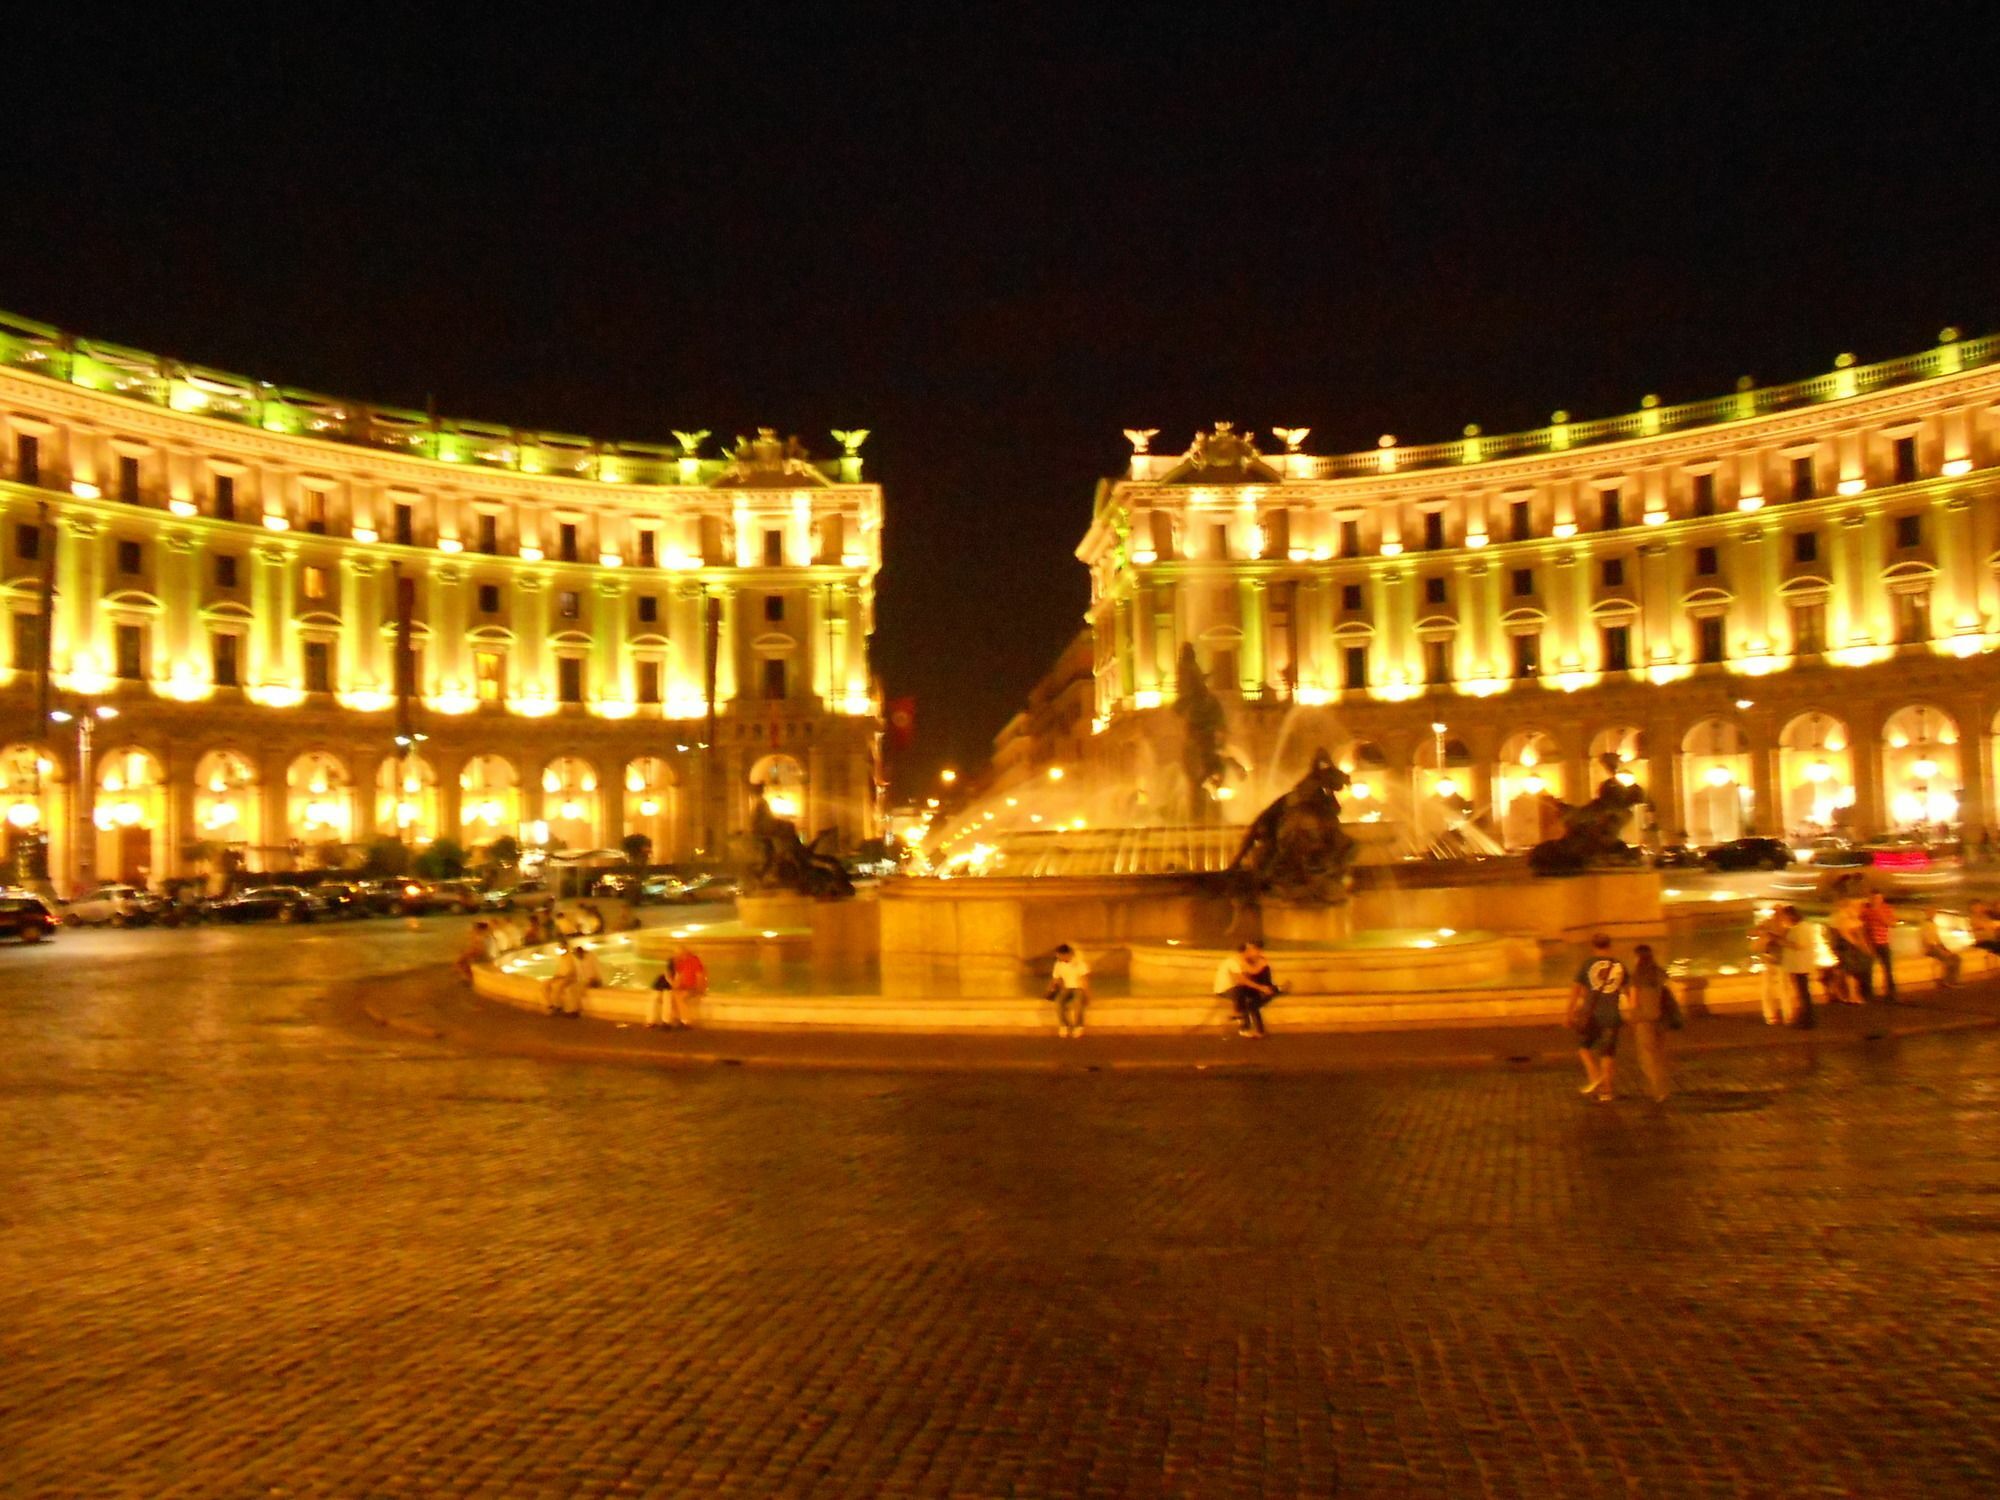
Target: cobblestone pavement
[(247, 1250)]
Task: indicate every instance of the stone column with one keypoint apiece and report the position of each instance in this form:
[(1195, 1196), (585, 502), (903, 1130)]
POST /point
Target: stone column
[(1865, 745)]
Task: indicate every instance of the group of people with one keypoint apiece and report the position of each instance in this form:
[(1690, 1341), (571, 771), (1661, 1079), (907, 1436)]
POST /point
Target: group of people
[(1243, 979), (1610, 995), (577, 970), (1845, 951)]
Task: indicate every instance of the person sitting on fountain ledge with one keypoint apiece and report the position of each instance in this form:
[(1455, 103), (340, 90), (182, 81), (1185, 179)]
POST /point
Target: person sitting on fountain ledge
[(1069, 986), (1244, 980)]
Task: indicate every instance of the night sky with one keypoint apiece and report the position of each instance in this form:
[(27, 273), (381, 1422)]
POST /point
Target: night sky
[(997, 238)]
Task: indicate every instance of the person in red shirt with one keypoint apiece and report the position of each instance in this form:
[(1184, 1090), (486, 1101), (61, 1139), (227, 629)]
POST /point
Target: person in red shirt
[(1878, 919)]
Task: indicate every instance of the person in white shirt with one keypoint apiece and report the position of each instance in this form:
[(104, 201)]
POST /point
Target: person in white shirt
[(1069, 987), (1799, 956), (1244, 980)]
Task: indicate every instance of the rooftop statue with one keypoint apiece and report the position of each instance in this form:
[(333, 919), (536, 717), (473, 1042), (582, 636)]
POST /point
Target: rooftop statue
[(765, 460), (1296, 849), (1591, 829), (1204, 767), (782, 861)]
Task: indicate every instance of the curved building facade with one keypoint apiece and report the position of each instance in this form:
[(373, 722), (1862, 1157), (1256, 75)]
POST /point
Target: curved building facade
[(277, 622), (1774, 611)]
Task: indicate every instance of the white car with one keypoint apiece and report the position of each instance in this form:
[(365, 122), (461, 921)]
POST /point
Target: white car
[(117, 905)]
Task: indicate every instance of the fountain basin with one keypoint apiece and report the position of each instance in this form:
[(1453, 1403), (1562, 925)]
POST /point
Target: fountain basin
[(1396, 961)]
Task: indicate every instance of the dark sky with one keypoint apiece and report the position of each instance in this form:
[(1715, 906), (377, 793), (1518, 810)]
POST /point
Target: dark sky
[(997, 237)]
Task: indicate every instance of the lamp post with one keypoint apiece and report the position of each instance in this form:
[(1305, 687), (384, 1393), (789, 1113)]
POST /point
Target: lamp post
[(86, 788)]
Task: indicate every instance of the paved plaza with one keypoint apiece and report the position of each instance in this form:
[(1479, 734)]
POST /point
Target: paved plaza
[(252, 1246)]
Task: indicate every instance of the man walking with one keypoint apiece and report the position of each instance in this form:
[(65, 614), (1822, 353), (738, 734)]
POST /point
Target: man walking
[(1596, 1003)]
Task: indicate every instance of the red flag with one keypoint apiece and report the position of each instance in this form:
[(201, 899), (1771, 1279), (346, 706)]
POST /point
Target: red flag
[(902, 722)]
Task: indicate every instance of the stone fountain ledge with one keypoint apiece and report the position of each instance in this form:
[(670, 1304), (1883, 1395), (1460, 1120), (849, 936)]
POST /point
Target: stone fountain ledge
[(1189, 1014)]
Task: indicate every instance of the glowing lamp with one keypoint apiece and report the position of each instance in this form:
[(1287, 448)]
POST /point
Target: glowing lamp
[(1535, 786), (1719, 776), (571, 808), (1359, 791), (126, 814), (366, 534), (276, 523), (1953, 467), (83, 489), (1818, 771), (1225, 794), (1055, 773), (183, 508), (24, 814), (1924, 769), (649, 808), (450, 544), (1446, 787)]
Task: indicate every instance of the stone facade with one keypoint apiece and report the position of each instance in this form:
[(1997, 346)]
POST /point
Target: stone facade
[(1773, 611), (238, 572)]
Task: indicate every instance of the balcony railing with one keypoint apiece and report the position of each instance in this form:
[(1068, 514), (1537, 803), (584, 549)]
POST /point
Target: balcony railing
[(99, 366)]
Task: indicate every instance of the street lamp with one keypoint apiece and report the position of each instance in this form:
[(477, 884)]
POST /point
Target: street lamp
[(86, 788)]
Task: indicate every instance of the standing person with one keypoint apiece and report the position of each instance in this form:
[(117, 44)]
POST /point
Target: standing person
[(1856, 960), (562, 988), (1653, 1008), (1069, 985), (1767, 941), (1938, 950), (1799, 956), (1596, 1001), (475, 951), (1244, 980), (1878, 924)]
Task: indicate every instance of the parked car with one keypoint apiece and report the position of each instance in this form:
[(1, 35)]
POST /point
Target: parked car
[(525, 896), (1830, 850), (1748, 854), (25, 916), (419, 896), (342, 899), (263, 903), (1677, 857), (380, 896), (657, 889), (115, 906)]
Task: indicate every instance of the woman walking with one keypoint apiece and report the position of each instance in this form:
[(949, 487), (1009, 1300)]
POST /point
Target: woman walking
[(1652, 1007)]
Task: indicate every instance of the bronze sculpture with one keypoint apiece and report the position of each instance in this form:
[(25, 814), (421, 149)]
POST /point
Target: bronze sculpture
[(1295, 849)]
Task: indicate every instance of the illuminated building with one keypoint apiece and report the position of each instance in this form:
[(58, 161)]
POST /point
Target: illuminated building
[(1774, 609), (239, 570)]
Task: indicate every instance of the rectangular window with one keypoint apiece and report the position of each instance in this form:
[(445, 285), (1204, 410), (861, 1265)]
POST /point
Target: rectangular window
[(1350, 596), (224, 504), (27, 458), (410, 670), (128, 478), (312, 582), (1709, 645), (489, 533), (1433, 530), (27, 542), (489, 598), (489, 669), (1354, 667), (1803, 484), (1613, 572), (649, 609), (568, 605), (1704, 562), (1520, 521), (1808, 629), (774, 607), (223, 652), (649, 682), (130, 644), (1350, 538), (316, 512), (406, 524), (774, 549), (1437, 662), (131, 557), (319, 666), (649, 549), (1617, 648), (1904, 455), (1805, 546), (566, 541), (1523, 581), (1218, 541), (1528, 654), (225, 570), (27, 643), (569, 679), (1434, 591), (774, 678), (1909, 531), (1704, 494), (1913, 617), (1610, 510)]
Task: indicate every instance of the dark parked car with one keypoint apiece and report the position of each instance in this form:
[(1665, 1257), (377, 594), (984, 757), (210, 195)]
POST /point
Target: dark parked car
[(380, 896), (1748, 854), (262, 903), (1677, 857), (26, 916), (419, 896), (525, 896), (341, 898)]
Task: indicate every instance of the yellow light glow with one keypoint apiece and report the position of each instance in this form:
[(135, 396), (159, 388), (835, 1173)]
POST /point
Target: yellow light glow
[(1055, 773), (1818, 771), (83, 489), (1563, 529), (1951, 468), (1851, 486), (1924, 769), (1750, 502), (1144, 555), (276, 523), (1392, 549), (1656, 518), (571, 808), (1146, 698), (1225, 793), (530, 553), (366, 534), (1720, 776), (1446, 787), (649, 808), (947, 776), (183, 508), (1475, 539), (24, 814), (450, 544)]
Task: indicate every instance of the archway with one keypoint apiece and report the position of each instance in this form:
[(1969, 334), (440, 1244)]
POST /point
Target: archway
[(1619, 751), (652, 805), (1529, 772), (783, 782), (1441, 785), (33, 807), (1921, 771), (227, 813), (1815, 774), (489, 800), (406, 799), (570, 803), (130, 816), (1366, 799), (1718, 802), (319, 804)]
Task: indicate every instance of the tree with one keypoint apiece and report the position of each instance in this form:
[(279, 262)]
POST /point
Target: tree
[(505, 851), (387, 857), (442, 859), (638, 850), (331, 854)]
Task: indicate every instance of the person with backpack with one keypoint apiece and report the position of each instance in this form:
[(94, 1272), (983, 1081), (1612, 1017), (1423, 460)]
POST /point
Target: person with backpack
[(1653, 1009), (1596, 1014)]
